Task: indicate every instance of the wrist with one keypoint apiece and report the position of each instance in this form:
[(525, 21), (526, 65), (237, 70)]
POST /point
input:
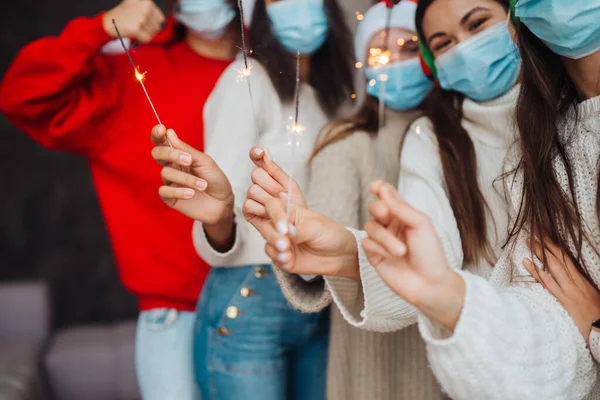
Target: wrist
[(443, 300), (349, 266), (221, 234)]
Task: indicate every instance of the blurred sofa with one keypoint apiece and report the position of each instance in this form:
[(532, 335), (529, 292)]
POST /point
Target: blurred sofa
[(24, 329), (77, 363)]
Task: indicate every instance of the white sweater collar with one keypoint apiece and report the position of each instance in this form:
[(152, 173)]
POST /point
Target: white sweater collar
[(494, 118)]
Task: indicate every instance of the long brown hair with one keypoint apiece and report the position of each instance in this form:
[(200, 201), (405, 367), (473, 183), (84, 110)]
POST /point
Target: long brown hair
[(459, 161), (546, 95), (331, 65)]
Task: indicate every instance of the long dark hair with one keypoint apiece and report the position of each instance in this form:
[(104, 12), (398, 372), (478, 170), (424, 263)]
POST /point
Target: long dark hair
[(546, 95), (459, 161), (331, 65)]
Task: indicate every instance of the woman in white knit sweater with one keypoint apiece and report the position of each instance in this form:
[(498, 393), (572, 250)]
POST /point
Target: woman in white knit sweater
[(249, 342)]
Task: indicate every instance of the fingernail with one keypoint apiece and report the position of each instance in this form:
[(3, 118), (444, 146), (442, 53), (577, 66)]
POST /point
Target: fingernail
[(281, 245), (200, 184), (399, 249), (282, 227), (283, 257), (188, 193), (268, 155), (286, 266), (292, 229), (185, 158), (283, 196), (258, 151)]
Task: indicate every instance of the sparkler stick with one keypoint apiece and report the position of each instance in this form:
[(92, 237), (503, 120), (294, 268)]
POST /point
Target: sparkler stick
[(139, 76), (294, 131), (245, 73)]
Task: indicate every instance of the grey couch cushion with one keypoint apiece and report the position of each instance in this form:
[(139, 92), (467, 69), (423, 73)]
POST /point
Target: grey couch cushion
[(93, 362), (19, 369)]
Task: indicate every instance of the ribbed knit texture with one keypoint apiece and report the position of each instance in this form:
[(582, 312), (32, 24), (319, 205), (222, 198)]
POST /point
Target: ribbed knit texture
[(362, 365), (513, 339)]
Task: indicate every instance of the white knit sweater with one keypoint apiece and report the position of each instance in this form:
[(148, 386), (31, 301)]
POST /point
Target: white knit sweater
[(229, 136), (513, 339), (490, 125)]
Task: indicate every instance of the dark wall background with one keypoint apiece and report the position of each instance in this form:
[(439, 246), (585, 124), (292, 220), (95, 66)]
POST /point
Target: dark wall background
[(51, 227)]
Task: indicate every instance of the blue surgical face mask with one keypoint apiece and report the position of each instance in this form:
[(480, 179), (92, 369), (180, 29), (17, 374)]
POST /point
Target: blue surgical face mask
[(570, 29), (405, 88), (483, 67), (299, 25), (206, 18)]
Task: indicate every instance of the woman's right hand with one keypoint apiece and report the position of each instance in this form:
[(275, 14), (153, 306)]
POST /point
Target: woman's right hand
[(136, 19), (194, 184)]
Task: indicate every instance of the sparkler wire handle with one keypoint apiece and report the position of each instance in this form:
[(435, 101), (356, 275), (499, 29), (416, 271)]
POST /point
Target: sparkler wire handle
[(294, 131)]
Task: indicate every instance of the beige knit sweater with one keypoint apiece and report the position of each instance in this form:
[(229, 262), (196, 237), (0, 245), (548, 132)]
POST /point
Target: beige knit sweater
[(363, 365)]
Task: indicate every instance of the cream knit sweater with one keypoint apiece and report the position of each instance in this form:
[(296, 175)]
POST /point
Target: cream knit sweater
[(393, 365), (513, 339)]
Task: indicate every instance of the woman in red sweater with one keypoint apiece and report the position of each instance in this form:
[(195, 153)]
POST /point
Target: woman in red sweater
[(67, 95)]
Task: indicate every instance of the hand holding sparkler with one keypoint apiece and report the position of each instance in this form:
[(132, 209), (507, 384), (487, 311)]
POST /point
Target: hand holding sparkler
[(138, 19), (194, 184)]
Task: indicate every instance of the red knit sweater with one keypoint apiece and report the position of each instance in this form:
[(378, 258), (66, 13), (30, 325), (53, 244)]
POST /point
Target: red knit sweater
[(67, 96)]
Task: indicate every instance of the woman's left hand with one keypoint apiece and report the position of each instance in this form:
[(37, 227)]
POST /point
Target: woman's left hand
[(576, 294)]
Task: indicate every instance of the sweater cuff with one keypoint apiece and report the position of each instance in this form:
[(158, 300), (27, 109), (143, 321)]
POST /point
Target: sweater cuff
[(370, 304), (205, 250), (305, 296), (435, 334)]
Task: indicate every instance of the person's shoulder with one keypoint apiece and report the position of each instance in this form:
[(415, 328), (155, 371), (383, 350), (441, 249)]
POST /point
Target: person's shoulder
[(421, 133)]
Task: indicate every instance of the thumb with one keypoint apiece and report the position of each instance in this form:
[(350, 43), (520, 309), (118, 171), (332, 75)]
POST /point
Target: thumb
[(262, 159), (400, 209), (199, 158)]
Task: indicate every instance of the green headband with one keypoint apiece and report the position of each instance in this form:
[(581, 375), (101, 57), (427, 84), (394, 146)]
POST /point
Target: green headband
[(427, 55)]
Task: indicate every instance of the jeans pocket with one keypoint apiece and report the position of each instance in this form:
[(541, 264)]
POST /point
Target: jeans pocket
[(160, 319)]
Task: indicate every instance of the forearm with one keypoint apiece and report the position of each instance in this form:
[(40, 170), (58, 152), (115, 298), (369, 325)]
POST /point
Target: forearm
[(515, 342)]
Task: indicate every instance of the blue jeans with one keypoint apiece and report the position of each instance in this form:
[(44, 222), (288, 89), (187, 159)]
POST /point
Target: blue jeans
[(250, 344), (163, 361)]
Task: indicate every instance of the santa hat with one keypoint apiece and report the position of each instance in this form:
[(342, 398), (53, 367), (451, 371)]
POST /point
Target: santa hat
[(375, 19)]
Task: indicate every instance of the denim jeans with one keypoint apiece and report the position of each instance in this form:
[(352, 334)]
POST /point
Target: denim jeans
[(163, 355), (250, 344)]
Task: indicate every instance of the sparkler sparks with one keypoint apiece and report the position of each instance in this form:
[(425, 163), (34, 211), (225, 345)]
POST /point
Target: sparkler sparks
[(244, 74), (139, 76)]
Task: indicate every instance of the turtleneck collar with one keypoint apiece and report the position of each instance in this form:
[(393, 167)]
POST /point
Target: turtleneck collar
[(495, 119)]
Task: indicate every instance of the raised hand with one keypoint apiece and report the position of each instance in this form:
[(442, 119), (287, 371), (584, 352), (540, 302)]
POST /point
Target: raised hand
[(406, 252), (308, 243), (576, 294), (137, 19), (194, 184)]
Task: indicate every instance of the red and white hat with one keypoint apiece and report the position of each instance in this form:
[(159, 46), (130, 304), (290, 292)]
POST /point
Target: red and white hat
[(375, 19)]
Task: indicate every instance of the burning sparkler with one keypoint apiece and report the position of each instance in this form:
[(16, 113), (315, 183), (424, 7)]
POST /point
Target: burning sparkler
[(139, 76), (295, 131)]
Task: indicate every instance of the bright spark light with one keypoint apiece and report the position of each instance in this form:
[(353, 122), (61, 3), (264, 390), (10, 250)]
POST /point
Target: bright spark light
[(140, 76), (243, 73)]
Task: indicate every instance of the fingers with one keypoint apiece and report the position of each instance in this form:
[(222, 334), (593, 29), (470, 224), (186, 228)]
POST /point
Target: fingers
[(555, 265), (400, 209), (262, 178), (159, 135), (372, 248), (380, 212), (390, 243), (258, 194), (278, 215), (168, 155), (251, 209), (199, 159), (257, 154), (181, 178), (262, 159), (543, 278), (170, 194), (280, 260)]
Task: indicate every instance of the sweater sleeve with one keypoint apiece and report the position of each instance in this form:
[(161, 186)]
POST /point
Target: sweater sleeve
[(229, 136), (59, 90), (334, 191), (372, 305), (511, 342)]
